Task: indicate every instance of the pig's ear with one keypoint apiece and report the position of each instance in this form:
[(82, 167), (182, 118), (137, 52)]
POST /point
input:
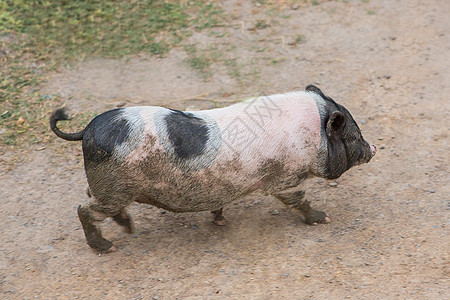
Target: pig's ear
[(335, 123), (315, 89)]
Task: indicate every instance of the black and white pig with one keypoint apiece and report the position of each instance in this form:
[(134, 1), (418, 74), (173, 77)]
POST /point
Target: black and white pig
[(202, 160)]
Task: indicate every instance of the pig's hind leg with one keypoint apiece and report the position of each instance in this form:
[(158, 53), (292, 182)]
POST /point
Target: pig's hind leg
[(92, 214), (296, 200), (124, 220)]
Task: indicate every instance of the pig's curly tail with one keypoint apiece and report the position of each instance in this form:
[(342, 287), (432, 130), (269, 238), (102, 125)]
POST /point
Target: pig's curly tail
[(60, 115)]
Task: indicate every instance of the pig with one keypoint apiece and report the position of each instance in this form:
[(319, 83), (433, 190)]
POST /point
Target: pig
[(191, 161)]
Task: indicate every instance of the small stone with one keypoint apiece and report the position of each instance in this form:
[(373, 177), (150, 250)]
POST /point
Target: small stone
[(363, 121), (275, 212), (432, 191), (45, 249), (295, 6), (286, 274), (333, 184), (307, 275)]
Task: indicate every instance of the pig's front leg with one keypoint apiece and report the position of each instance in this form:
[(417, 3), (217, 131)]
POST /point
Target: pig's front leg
[(295, 199), (219, 218)]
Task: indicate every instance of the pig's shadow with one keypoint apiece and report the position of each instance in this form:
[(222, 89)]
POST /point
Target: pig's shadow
[(248, 221)]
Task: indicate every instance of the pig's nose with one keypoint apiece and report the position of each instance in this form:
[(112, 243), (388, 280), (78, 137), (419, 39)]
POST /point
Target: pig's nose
[(373, 149)]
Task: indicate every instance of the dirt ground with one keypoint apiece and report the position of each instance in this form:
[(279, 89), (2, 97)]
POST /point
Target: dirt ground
[(387, 61)]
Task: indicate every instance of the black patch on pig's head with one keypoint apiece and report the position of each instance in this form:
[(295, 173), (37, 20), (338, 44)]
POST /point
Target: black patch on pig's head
[(187, 133), (315, 89), (343, 145), (104, 133)]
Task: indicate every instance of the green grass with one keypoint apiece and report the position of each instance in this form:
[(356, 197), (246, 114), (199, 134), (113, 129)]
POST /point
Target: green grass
[(233, 68), (299, 39), (261, 24), (106, 28), (38, 36), (198, 60)]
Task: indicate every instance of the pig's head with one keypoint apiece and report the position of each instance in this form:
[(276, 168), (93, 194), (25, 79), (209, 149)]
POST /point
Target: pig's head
[(342, 145)]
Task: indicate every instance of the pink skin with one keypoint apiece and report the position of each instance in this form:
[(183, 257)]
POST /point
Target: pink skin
[(293, 115), (373, 149)]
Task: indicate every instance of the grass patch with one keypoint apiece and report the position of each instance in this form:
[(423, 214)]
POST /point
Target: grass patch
[(201, 59), (198, 60), (299, 39), (261, 24), (106, 28), (233, 68), (38, 36)]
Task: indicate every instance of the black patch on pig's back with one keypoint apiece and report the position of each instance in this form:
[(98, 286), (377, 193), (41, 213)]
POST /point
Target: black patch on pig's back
[(187, 133), (104, 133)]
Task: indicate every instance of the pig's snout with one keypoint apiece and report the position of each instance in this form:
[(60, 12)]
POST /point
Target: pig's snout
[(373, 149)]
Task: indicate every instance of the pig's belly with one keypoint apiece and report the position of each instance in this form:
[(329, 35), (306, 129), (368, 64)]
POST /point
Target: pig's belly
[(179, 191), (188, 202)]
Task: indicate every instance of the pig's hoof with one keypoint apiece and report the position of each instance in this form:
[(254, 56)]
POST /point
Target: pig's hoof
[(112, 249), (314, 217), (221, 222), (103, 246), (129, 229)]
